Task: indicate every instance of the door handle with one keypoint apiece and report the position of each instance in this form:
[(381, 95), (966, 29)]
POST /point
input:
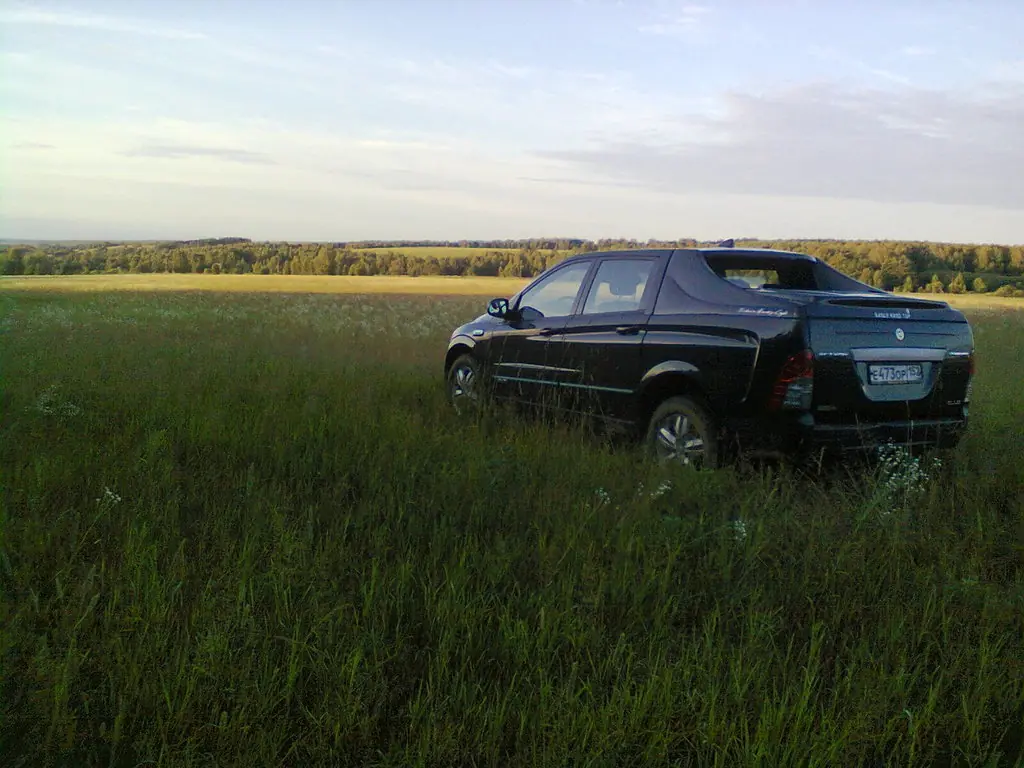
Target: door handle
[(628, 330)]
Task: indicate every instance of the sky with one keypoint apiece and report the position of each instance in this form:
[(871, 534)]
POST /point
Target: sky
[(480, 119)]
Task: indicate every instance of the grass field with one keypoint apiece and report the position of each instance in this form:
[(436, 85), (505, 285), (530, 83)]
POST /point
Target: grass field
[(243, 528), (432, 285)]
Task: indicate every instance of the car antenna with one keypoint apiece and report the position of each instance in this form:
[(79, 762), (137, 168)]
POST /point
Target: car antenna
[(727, 243)]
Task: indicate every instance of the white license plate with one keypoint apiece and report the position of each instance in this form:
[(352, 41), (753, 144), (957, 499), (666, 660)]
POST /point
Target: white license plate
[(894, 374)]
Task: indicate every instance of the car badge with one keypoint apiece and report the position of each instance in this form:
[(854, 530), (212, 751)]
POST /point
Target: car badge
[(900, 335)]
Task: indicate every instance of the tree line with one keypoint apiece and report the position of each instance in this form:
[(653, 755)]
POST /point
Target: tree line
[(892, 265)]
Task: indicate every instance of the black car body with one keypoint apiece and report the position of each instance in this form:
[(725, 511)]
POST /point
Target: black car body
[(769, 350)]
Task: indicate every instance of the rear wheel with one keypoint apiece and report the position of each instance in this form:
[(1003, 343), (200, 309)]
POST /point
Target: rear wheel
[(681, 431)]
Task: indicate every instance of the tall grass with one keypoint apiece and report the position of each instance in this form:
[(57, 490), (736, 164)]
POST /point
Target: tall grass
[(432, 285), (243, 529)]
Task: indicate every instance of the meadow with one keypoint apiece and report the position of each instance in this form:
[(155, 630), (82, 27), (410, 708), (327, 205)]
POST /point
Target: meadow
[(242, 527), (430, 285)]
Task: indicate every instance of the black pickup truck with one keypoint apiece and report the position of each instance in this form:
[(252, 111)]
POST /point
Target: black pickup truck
[(703, 350)]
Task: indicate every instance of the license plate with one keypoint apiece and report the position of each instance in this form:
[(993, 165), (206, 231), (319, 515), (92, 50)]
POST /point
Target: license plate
[(894, 374)]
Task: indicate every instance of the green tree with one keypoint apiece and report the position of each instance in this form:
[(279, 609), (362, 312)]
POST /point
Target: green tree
[(13, 262), (323, 262), (978, 286), (935, 286), (38, 262), (957, 284), (908, 285), (179, 263)]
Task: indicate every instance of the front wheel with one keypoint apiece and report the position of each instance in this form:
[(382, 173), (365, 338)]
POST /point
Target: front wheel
[(682, 432), (464, 385)]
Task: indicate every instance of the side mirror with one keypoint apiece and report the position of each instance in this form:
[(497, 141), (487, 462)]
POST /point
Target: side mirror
[(497, 307)]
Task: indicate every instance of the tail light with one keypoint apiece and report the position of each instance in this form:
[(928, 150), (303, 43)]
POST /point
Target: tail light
[(970, 378), (794, 387)]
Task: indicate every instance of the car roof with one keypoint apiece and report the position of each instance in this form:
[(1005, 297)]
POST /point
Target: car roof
[(717, 251), (775, 254)]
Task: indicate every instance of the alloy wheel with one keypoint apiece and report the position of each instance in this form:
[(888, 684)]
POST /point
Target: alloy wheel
[(677, 439), (462, 387)]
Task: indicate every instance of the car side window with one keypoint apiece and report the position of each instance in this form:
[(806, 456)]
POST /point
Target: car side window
[(554, 296), (618, 286)]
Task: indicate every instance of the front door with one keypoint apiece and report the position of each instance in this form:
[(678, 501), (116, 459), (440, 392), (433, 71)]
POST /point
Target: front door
[(529, 349), (600, 364)]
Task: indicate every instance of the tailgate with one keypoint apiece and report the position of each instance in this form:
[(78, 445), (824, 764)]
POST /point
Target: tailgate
[(881, 358)]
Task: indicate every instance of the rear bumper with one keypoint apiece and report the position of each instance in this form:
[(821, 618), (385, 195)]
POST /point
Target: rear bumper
[(923, 433), (800, 433)]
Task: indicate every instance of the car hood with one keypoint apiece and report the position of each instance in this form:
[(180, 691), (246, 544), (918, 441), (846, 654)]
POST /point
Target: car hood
[(483, 323)]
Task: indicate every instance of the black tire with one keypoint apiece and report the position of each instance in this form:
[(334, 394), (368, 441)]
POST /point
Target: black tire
[(683, 418), (464, 384)]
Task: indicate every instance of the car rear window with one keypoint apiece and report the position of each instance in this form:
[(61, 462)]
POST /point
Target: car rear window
[(762, 273), (752, 278)]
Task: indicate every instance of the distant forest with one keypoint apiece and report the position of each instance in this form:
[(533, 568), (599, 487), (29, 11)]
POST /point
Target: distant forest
[(899, 266)]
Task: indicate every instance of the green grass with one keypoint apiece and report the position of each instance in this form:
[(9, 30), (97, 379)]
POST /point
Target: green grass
[(431, 285), (245, 529)]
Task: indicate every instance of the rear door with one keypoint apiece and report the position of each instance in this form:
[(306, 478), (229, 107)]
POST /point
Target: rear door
[(599, 367)]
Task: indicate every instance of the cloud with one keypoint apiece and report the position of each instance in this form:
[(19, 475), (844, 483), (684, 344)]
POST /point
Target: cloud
[(681, 24), (1009, 70), (549, 180), (917, 50), (885, 74), (827, 53), (182, 151), (35, 145), (906, 145), (32, 17)]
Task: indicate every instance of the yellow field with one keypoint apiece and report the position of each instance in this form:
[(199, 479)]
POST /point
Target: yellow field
[(427, 284), (432, 284), (973, 300)]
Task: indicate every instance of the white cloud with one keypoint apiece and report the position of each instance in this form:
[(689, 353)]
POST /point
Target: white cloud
[(1009, 70), (398, 146), (682, 23), (768, 177), (34, 17), (830, 54), (906, 146)]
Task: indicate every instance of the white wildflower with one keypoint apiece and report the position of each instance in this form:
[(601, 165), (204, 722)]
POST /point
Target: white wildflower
[(739, 530), (50, 403), (602, 496), (902, 476), (109, 497), (661, 490)]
